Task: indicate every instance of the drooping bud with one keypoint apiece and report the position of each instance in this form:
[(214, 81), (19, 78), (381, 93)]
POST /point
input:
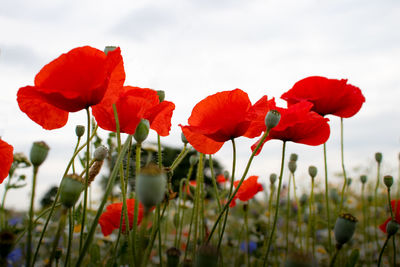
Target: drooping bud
[(71, 188), (193, 159), (293, 157), (38, 153), (345, 227), (312, 171), (388, 180), (272, 178), (142, 131), (100, 153), (173, 255), (161, 95), (109, 48), (392, 227), (363, 179), (151, 185), (183, 138), (292, 166), (207, 255), (378, 157), (79, 130), (272, 119)]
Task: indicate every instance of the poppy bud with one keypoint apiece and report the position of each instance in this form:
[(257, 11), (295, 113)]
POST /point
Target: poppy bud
[(173, 255), (71, 188), (345, 227), (272, 178), (142, 131), (109, 48), (392, 227), (272, 119), (38, 153), (363, 179), (79, 130), (292, 166), (161, 95), (100, 153), (183, 138), (378, 157), (193, 160), (293, 157), (312, 170), (207, 255), (226, 174), (151, 184), (388, 180)]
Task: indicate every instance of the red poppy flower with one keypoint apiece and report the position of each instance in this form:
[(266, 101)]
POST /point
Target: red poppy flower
[(221, 179), (300, 125), (396, 213), (224, 116), (329, 96), (110, 219), (249, 188), (73, 81), (134, 104), (6, 159)]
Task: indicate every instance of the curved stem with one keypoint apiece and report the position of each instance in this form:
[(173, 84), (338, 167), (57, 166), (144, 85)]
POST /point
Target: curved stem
[(343, 168), (327, 202), (277, 205), (338, 247), (383, 249)]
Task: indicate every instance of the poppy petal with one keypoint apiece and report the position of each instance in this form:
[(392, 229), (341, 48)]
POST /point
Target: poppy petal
[(257, 115), (160, 116), (6, 159), (200, 142)]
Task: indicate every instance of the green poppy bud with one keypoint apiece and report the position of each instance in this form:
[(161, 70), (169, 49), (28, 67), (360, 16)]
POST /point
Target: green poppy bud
[(38, 153), (392, 227), (272, 178), (71, 188), (207, 255), (226, 174), (292, 166), (173, 255), (79, 130), (193, 159), (312, 171), (109, 48), (142, 131), (345, 227), (293, 157), (363, 179), (100, 153), (272, 119), (378, 157), (183, 138), (161, 95), (151, 185), (388, 180)]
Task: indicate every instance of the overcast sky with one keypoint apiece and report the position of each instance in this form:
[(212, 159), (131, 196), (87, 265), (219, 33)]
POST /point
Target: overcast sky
[(191, 49)]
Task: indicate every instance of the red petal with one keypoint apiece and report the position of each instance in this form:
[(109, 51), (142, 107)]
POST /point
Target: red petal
[(200, 142), (160, 116), (257, 115), (383, 225), (36, 107), (6, 159)]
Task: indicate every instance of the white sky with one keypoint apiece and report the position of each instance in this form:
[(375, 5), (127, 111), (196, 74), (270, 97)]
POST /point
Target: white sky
[(192, 49)]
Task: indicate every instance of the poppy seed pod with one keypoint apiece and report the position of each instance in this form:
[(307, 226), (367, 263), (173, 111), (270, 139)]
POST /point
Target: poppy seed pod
[(173, 255), (109, 48), (293, 157), (100, 153), (272, 119), (378, 157), (161, 95), (363, 179), (345, 227), (312, 171), (38, 153), (292, 166), (272, 178), (392, 227), (388, 180), (183, 138), (79, 130), (142, 131), (151, 185), (207, 255), (193, 160), (71, 188)]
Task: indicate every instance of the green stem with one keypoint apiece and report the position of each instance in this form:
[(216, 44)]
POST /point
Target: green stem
[(60, 229), (180, 217), (136, 208), (287, 217), (364, 216), (179, 158), (70, 235), (338, 248), (393, 218), (376, 206), (211, 164), (276, 205), (299, 213), (86, 180), (159, 234), (76, 147), (197, 202), (383, 249), (246, 227), (312, 219), (327, 202), (30, 222), (160, 165), (343, 168)]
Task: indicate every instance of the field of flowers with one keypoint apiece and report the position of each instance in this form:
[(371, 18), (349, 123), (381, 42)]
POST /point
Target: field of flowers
[(166, 207)]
